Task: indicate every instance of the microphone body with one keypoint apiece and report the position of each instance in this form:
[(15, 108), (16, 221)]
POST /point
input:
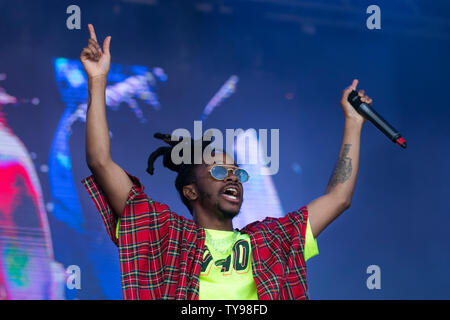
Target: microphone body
[(367, 112)]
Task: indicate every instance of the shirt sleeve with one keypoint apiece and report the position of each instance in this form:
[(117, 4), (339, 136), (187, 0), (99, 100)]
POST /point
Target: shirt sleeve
[(104, 207), (311, 248), (296, 224)]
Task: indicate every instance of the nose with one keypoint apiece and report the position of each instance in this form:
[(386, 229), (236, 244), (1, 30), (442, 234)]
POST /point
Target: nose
[(231, 177)]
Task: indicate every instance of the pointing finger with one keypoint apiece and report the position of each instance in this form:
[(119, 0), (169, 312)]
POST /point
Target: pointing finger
[(92, 32)]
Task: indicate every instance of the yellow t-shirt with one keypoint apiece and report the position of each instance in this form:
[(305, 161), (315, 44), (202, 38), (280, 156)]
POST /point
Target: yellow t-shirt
[(227, 274), (226, 267)]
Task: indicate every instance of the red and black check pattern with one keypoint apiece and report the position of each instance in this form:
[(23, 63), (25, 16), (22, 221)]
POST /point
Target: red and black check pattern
[(161, 252)]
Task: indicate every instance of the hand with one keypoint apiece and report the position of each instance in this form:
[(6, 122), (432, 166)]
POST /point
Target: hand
[(350, 112), (95, 61)]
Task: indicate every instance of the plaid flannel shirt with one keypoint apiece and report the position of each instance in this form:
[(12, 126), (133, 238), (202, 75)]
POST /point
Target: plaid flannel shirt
[(161, 252)]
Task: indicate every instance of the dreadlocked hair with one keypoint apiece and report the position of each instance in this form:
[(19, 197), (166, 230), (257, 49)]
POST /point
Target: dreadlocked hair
[(186, 172)]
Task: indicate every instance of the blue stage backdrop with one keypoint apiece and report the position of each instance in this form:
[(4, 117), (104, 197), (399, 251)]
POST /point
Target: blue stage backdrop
[(232, 64)]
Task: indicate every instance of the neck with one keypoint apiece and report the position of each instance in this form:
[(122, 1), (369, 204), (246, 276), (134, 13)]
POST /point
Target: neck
[(213, 220)]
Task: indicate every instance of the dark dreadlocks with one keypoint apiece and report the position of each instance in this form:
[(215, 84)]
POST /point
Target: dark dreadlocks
[(186, 172)]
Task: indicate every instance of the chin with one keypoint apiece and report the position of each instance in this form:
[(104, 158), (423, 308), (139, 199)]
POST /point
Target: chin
[(230, 215), (230, 212)]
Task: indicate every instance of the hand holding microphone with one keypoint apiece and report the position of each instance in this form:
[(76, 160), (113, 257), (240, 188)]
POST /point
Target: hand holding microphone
[(361, 110)]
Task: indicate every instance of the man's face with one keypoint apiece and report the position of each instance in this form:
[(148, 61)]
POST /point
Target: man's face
[(222, 197)]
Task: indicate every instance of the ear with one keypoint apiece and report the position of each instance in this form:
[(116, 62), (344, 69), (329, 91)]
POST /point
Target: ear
[(190, 192)]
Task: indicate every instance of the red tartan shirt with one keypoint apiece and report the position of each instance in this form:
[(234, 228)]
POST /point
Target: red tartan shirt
[(161, 252)]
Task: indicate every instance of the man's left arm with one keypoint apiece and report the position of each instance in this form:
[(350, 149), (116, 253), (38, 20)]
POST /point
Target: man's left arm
[(338, 195)]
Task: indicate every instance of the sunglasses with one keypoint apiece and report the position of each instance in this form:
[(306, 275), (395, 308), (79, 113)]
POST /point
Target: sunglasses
[(221, 172)]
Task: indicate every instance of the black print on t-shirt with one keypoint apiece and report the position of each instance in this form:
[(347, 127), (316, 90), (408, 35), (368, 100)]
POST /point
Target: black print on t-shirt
[(240, 253)]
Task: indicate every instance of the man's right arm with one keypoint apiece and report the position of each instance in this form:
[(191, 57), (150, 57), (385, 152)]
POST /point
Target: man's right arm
[(113, 180)]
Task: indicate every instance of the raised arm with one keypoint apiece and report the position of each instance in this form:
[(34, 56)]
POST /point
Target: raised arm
[(112, 179), (338, 195)]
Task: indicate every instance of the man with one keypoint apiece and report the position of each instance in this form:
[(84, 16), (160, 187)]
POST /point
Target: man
[(166, 256)]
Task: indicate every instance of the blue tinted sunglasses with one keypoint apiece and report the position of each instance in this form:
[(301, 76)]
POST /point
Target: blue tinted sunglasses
[(221, 172)]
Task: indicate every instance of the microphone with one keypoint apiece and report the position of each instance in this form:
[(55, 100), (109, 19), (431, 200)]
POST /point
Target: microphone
[(367, 112)]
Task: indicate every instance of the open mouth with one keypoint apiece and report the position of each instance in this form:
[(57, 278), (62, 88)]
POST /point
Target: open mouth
[(232, 194)]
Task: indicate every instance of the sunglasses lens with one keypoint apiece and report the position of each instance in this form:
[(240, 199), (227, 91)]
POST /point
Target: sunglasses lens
[(242, 175), (219, 172)]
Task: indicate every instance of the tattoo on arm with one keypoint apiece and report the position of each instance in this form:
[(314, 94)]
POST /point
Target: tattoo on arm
[(343, 168)]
